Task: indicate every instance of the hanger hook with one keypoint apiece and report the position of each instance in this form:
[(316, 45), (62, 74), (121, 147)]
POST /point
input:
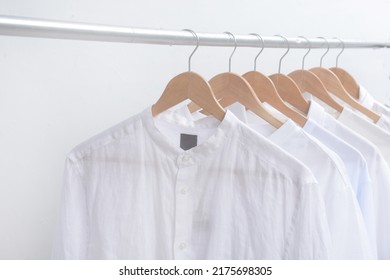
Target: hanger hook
[(288, 49), (326, 50), (197, 45), (304, 57), (337, 57), (235, 47), (262, 48)]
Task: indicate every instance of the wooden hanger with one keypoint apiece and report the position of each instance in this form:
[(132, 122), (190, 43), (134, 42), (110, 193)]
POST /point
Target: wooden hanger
[(287, 88), (290, 92), (346, 78), (334, 86), (309, 82), (266, 92), (229, 88), (189, 85)]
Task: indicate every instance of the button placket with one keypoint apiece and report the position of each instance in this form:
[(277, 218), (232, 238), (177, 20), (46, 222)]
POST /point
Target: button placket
[(185, 160), (183, 207)]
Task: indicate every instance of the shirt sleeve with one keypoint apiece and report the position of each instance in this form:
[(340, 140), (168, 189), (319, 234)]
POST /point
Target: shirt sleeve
[(309, 236), (71, 237)]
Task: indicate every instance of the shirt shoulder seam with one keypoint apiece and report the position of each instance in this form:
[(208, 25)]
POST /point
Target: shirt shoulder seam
[(104, 138)]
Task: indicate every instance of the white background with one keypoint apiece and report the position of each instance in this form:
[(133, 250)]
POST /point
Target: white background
[(55, 94)]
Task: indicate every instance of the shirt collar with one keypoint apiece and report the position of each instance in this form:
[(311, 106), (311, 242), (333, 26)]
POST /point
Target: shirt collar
[(200, 152), (184, 112), (285, 132), (279, 135), (239, 111), (236, 108), (365, 97), (316, 112), (347, 113), (310, 125)]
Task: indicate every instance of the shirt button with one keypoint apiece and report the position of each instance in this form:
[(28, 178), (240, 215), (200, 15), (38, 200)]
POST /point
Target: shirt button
[(186, 158), (183, 191), (182, 246)]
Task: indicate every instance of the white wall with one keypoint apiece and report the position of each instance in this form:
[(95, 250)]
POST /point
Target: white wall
[(55, 94)]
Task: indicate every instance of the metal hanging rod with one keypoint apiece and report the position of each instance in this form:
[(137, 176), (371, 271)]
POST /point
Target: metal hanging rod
[(41, 28)]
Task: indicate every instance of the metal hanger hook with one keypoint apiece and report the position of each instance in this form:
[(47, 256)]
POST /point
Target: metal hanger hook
[(235, 47), (262, 48), (337, 57), (326, 50), (197, 45), (288, 49), (304, 57)]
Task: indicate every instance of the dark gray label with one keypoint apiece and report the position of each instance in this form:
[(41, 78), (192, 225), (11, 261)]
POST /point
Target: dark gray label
[(188, 141)]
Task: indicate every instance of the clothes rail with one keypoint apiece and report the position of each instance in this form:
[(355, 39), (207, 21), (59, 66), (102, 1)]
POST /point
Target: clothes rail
[(42, 28)]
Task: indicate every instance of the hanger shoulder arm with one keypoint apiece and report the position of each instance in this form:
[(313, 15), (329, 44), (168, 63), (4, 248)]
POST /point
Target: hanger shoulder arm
[(265, 90), (189, 85), (175, 92), (309, 82), (290, 92), (347, 81)]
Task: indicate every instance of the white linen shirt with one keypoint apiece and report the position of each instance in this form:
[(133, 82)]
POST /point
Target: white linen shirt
[(357, 169), (348, 231), (131, 193), (377, 167), (353, 162)]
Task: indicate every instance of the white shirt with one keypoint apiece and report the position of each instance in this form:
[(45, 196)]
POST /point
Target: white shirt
[(132, 193), (345, 220), (357, 170), (348, 232), (353, 163), (377, 167)]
